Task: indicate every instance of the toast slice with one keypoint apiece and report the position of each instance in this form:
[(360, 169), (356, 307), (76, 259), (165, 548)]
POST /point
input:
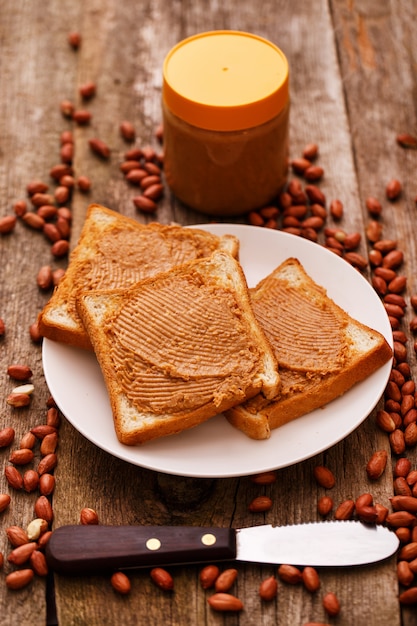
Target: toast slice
[(321, 350), (178, 348), (116, 251)]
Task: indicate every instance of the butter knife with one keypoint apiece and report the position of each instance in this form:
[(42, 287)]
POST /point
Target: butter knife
[(91, 549)]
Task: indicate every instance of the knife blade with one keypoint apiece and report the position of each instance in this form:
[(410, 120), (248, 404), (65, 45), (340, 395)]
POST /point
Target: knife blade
[(78, 549)]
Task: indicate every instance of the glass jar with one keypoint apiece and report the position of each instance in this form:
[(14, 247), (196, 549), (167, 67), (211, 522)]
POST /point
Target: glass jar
[(226, 118)]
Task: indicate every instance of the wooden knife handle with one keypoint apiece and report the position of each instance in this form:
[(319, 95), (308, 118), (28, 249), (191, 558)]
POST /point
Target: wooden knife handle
[(98, 549)]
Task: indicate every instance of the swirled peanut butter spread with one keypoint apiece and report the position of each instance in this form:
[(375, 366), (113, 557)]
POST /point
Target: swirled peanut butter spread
[(177, 343), (125, 256), (306, 333)]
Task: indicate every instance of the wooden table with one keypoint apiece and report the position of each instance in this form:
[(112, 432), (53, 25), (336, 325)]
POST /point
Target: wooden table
[(352, 91)]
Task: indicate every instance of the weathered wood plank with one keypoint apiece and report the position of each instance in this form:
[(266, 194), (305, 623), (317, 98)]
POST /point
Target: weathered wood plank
[(35, 66)]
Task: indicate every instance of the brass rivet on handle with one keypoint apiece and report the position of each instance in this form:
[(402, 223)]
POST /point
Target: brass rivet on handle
[(153, 544), (208, 539)]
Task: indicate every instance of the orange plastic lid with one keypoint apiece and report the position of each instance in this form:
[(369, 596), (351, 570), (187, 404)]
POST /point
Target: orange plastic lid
[(225, 80)]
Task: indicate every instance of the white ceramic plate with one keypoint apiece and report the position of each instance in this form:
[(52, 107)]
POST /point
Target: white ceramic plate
[(215, 448)]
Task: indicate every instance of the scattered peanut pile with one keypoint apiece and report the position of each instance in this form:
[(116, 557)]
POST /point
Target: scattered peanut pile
[(301, 209)]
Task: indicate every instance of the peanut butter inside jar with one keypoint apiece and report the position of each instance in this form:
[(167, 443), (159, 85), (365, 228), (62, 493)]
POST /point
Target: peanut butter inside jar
[(225, 104)]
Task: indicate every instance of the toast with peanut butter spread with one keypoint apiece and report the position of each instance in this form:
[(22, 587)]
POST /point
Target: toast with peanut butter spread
[(116, 251), (321, 350), (178, 348)]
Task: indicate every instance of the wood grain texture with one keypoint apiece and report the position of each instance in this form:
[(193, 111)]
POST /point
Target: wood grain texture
[(353, 87)]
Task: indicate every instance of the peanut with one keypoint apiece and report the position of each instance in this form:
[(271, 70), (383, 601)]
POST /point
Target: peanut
[(404, 573), (13, 477), (356, 259), (83, 183), (153, 192), (400, 518), (268, 589), (313, 173), (405, 140), (28, 440), (331, 604), (47, 463), (324, 477), (42, 430), (374, 232), (290, 574), (120, 583), (58, 171), (225, 602), (393, 189), (17, 536), (61, 193), (393, 259), (43, 539), (36, 528), (43, 509), (402, 467), (376, 464), (30, 480), (315, 195), (265, 478), (60, 248), (311, 579), (99, 147), (144, 204), (401, 487), (409, 596), (374, 206), (367, 514), (7, 224), (162, 578), (260, 504), (19, 578), (127, 130), (410, 435), (345, 510), (46, 484), (88, 517), (20, 208), (21, 554), (18, 400), (408, 552), (44, 277), (300, 165), (225, 580), (49, 444), (81, 117), (385, 421), (74, 40), (135, 176), (7, 436), (397, 441), (38, 562), (208, 576), (23, 456), (87, 90), (4, 501), (310, 151), (324, 505)]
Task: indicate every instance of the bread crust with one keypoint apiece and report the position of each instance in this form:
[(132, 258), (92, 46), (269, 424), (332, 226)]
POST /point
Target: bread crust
[(312, 390)]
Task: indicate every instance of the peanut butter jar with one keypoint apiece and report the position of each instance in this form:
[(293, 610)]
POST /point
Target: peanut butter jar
[(225, 101)]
